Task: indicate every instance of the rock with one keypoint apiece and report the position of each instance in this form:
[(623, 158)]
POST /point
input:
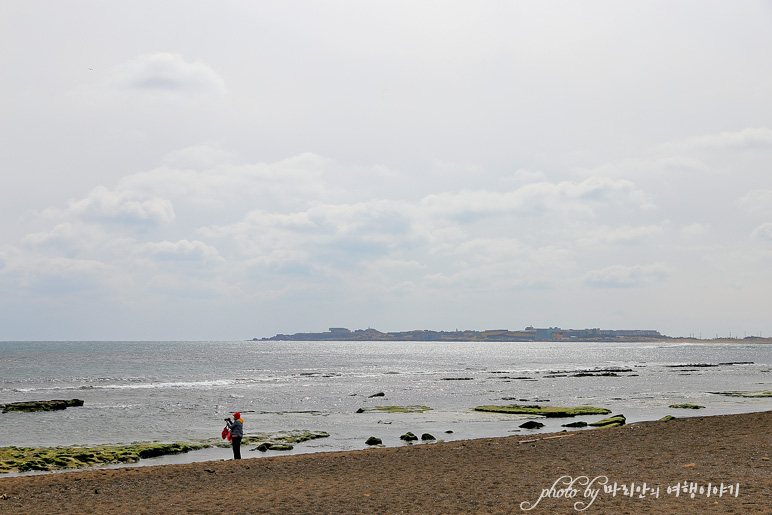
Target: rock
[(263, 446), (448, 432), (379, 394), (373, 441), (408, 437), (667, 418), (427, 436), (282, 447), (53, 405), (615, 421), (686, 406), (360, 410), (575, 424), (532, 424), (547, 411)]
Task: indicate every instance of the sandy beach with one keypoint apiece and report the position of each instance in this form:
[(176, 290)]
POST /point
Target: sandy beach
[(717, 464)]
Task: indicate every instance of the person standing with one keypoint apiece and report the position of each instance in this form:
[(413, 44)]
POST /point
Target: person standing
[(236, 427)]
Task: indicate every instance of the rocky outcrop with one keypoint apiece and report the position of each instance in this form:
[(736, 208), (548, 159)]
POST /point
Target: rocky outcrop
[(53, 405), (615, 421), (547, 411), (575, 424)]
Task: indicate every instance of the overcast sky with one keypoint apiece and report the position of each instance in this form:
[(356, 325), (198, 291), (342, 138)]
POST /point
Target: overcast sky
[(229, 170)]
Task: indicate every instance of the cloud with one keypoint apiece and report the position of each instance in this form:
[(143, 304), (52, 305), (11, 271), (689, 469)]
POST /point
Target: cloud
[(763, 232), (622, 276), (182, 250), (623, 235), (167, 73), (751, 138), (757, 202), (105, 205), (696, 229), (578, 198)]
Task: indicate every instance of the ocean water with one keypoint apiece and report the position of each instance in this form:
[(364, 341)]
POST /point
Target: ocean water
[(181, 391)]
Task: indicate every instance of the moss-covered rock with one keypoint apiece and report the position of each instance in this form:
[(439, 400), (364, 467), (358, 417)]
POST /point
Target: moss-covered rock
[(579, 423), (531, 424), (546, 411), (686, 406), (408, 437), (53, 405), (427, 437), (373, 441), (667, 418), (615, 421)]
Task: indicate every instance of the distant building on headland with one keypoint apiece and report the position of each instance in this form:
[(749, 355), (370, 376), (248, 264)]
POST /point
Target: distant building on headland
[(527, 334)]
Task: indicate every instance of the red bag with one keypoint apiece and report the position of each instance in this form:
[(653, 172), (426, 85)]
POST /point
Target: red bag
[(226, 433)]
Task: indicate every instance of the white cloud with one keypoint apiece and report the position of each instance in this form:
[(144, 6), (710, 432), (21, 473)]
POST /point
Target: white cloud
[(696, 229), (624, 276), (167, 73), (104, 205), (763, 232), (757, 202), (752, 138), (623, 235), (183, 250)]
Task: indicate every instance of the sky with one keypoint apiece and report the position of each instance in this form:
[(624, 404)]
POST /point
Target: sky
[(190, 170)]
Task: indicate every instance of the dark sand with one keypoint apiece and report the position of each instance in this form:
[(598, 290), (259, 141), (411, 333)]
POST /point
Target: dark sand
[(492, 475)]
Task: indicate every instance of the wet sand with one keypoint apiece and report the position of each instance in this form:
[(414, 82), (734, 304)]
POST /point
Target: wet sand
[(492, 475)]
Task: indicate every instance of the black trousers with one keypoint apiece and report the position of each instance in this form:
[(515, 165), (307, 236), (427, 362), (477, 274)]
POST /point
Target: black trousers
[(236, 443)]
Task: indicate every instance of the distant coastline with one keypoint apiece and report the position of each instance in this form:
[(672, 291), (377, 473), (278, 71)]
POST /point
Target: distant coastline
[(551, 334)]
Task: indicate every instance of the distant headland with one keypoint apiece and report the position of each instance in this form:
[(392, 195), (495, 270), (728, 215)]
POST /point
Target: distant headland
[(501, 335)]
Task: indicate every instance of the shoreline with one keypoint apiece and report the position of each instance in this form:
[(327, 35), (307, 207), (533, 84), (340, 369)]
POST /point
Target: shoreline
[(488, 475)]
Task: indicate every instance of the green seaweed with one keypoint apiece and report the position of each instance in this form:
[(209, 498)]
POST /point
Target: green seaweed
[(547, 411), (615, 421), (686, 406), (24, 459)]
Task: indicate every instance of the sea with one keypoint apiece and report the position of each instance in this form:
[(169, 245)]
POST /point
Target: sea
[(181, 391)]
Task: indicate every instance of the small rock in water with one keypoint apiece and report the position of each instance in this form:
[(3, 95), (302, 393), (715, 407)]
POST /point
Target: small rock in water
[(427, 436), (408, 437), (373, 441), (532, 424), (379, 394)]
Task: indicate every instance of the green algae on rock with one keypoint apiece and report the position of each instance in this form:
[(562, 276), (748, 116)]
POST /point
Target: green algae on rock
[(667, 418), (281, 441), (686, 406), (547, 411), (408, 437), (615, 421), (373, 441), (53, 405), (23, 459)]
